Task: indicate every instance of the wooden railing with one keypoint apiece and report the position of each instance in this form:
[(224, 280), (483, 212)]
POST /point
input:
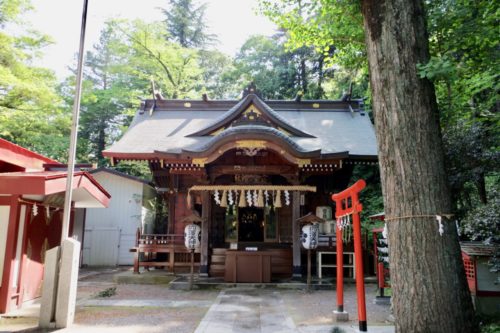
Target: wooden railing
[(147, 247)]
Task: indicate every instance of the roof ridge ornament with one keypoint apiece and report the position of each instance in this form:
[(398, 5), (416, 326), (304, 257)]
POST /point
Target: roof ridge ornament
[(251, 89)]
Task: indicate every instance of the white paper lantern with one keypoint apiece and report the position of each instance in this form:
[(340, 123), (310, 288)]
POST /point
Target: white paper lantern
[(329, 227), (324, 212), (192, 236), (310, 234)]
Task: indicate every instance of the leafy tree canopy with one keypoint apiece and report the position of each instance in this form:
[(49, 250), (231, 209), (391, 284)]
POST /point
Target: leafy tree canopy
[(186, 24), (30, 108)]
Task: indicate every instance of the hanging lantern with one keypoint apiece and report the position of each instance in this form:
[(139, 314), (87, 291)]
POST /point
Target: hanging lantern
[(192, 236), (325, 212), (242, 202), (223, 201), (277, 200), (309, 237)]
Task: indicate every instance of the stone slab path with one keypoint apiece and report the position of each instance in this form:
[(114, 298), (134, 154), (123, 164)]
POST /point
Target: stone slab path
[(247, 311), (262, 311)]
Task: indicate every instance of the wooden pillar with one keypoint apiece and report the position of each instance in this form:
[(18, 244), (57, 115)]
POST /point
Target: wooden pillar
[(206, 215), (7, 288), (171, 198), (297, 271)]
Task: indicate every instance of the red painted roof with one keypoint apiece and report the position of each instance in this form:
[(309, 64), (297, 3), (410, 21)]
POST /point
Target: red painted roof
[(478, 249), (51, 182), (21, 157)]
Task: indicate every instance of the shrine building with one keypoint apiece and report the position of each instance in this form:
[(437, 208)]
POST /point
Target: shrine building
[(250, 168)]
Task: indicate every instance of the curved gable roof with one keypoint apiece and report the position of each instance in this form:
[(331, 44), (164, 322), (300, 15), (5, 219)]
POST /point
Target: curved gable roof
[(226, 119), (253, 131)]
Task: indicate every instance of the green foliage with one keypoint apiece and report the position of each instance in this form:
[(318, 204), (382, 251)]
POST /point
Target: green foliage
[(186, 25), (370, 197), (173, 68), (138, 169), (483, 224), (217, 81), (264, 61), (11, 9), (109, 292), (280, 73), (31, 112), (332, 27), (471, 149), (491, 327)]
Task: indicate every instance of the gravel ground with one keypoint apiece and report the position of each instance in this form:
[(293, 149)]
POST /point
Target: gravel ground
[(139, 319), (316, 307)]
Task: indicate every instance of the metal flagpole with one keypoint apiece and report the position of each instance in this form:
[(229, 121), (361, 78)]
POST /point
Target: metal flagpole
[(74, 128)]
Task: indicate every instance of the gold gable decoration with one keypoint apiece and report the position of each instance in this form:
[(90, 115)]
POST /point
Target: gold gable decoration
[(252, 113), (251, 144)]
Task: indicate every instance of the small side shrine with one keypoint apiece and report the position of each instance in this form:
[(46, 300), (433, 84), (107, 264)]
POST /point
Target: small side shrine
[(483, 283), (31, 210), (251, 168)]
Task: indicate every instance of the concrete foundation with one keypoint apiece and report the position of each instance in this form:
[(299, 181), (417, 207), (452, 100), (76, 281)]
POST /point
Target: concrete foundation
[(68, 278), (340, 316)]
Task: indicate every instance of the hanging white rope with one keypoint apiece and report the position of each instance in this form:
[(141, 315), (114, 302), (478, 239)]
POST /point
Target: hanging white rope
[(439, 219), (230, 197), (35, 210), (217, 197), (249, 198), (384, 232), (287, 198)]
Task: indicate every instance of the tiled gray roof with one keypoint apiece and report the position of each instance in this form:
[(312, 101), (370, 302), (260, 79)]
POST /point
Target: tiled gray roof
[(248, 129), (239, 108), (334, 131)]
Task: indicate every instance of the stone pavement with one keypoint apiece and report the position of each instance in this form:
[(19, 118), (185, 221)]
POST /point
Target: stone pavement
[(247, 310), (261, 311)]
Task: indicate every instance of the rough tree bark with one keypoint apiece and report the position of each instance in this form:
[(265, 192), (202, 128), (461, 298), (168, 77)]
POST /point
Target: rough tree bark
[(427, 275)]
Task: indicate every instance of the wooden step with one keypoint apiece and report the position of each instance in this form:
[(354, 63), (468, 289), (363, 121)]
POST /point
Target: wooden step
[(218, 267), (219, 251), (216, 259), (218, 262)]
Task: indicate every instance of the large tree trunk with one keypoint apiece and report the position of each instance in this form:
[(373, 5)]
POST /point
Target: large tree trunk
[(427, 275)]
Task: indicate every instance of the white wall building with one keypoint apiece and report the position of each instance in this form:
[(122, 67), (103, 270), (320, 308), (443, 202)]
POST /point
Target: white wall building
[(110, 233)]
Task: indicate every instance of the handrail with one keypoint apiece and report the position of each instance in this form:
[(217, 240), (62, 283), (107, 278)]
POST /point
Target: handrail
[(156, 239)]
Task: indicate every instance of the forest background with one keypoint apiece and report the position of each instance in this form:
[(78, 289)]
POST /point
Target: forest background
[(319, 53)]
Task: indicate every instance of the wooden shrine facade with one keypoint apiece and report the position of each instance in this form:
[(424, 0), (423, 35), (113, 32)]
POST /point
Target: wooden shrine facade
[(250, 167)]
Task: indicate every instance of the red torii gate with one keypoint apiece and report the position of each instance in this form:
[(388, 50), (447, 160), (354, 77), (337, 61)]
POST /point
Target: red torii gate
[(347, 203)]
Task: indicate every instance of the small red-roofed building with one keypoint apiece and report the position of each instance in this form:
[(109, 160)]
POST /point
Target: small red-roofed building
[(31, 209), (484, 284)]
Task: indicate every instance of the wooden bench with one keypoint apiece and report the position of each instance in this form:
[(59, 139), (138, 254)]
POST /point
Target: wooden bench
[(147, 246)]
